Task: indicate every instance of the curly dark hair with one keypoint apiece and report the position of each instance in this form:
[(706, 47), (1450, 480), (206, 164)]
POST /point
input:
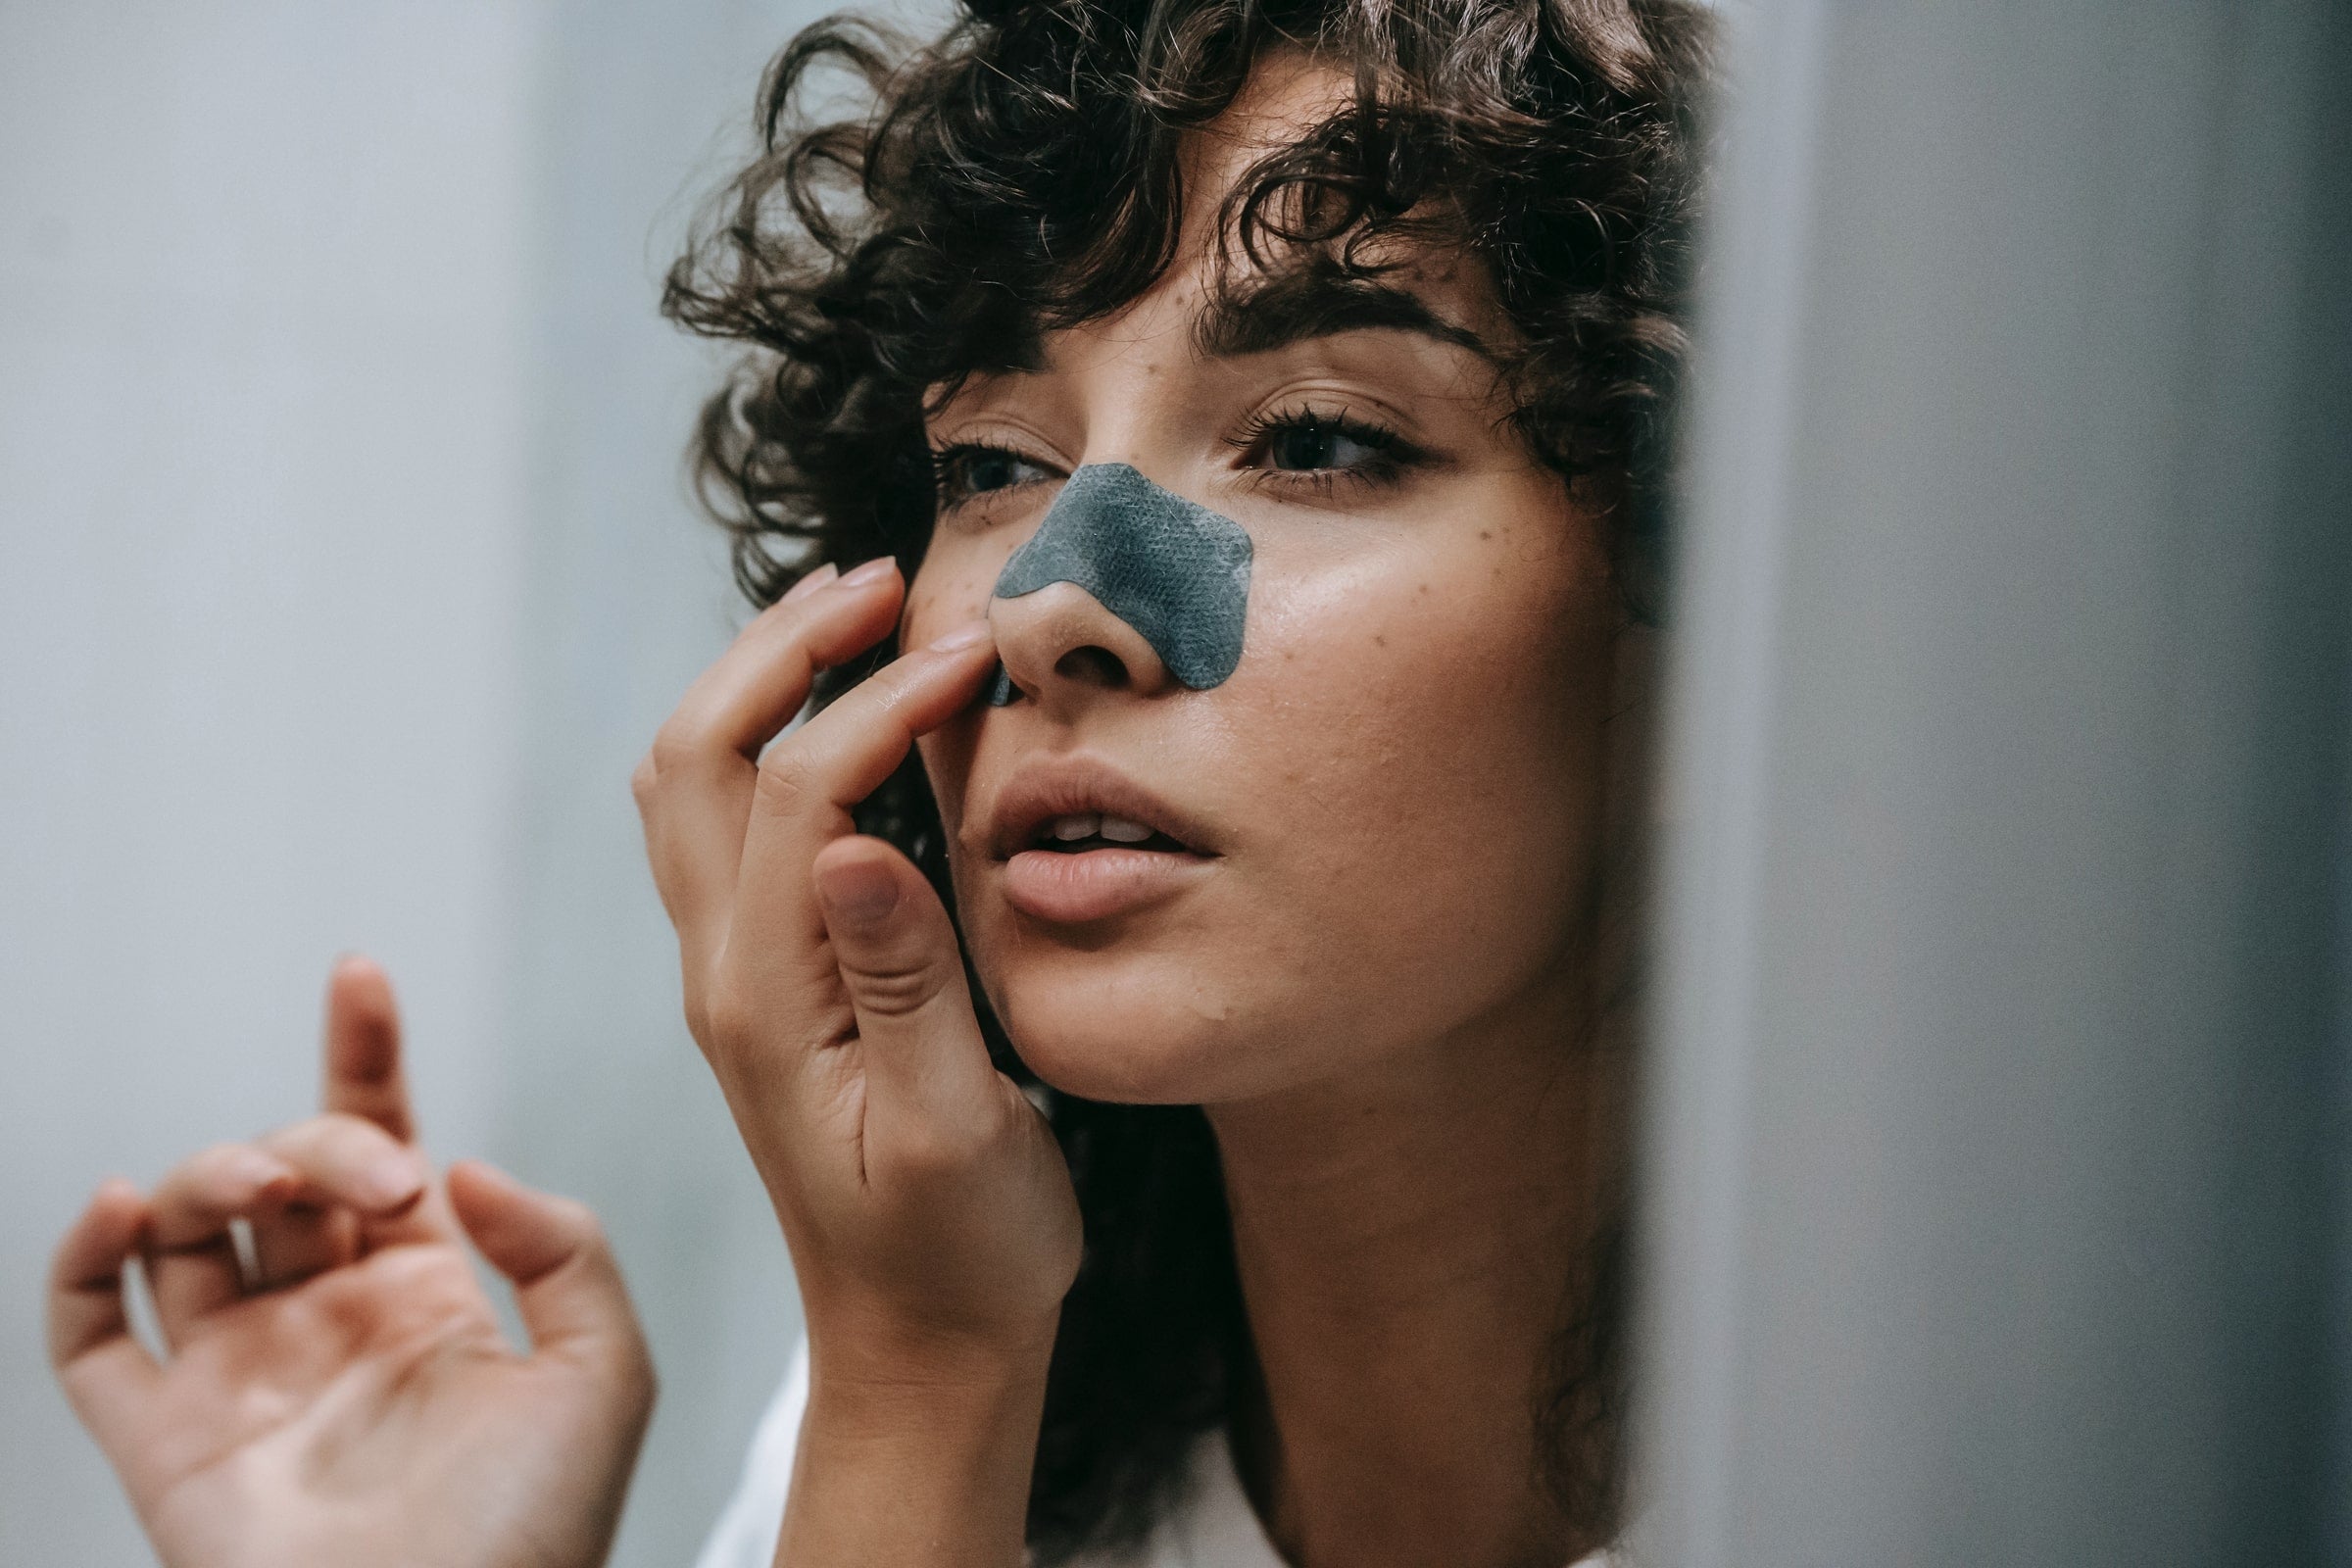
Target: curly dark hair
[(1021, 175)]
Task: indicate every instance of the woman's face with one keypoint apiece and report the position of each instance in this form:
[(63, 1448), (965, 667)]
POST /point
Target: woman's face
[(1375, 836)]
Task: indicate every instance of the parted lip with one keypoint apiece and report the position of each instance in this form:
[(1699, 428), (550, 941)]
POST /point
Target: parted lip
[(1045, 788)]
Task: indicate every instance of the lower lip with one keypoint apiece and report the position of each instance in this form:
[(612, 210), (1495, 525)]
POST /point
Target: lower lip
[(1095, 884)]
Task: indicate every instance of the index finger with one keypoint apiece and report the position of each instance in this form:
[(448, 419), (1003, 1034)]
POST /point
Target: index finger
[(809, 783), (362, 1075)]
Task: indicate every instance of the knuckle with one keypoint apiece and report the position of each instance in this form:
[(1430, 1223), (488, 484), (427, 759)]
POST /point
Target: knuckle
[(578, 1223), (933, 1152), (677, 743), (221, 1156), (334, 1132), (728, 1017), (895, 990), (786, 777)]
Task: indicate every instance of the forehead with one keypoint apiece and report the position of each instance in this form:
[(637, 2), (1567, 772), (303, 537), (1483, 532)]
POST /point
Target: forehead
[(1289, 92), (1213, 300)]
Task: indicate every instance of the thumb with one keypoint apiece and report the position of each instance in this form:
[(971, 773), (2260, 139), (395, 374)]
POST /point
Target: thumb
[(904, 972), (567, 1285)]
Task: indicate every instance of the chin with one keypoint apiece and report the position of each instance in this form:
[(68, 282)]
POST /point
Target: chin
[(1126, 1029)]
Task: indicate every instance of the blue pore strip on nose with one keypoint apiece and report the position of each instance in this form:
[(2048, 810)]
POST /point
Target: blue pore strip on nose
[(1177, 573)]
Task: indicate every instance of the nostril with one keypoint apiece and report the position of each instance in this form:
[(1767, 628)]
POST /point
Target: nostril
[(1094, 666)]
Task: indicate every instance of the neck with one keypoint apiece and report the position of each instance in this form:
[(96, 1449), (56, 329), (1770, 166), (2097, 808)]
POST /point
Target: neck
[(1412, 1243)]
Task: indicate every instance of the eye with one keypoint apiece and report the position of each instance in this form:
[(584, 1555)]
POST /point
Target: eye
[(966, 472), (1312, 444), (1325, 447)]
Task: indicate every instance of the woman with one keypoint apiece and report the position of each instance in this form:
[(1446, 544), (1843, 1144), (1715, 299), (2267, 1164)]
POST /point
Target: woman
[(1248, 421)]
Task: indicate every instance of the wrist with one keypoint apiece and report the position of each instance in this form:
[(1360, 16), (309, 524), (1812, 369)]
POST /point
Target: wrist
[(915, 1454), (853, 1342), (877, 1380)]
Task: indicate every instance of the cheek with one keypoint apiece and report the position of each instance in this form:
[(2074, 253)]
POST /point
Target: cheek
[(1433, 729), (951, 589)]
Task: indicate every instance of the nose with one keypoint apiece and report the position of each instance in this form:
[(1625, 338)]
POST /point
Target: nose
[(1061, 643), (1148, 589)]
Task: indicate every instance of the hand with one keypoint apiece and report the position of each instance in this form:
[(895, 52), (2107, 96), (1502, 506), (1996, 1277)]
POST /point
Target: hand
[(356, 1404), (927, 1207)]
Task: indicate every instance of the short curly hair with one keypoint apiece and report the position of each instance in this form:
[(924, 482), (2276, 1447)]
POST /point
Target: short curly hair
[(1021, 175)]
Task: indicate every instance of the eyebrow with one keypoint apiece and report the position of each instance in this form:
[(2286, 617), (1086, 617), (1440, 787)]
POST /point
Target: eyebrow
[(1314, 303)]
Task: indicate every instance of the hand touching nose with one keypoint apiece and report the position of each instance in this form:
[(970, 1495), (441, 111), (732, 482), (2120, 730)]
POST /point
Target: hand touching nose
[(926, 1204)]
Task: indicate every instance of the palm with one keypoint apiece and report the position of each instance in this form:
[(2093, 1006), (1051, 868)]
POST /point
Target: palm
[(281, 1420), (369, 1409)]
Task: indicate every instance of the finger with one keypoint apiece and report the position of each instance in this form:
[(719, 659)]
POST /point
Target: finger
[(106, 1373), (192, 1264), (808, 785), (754, 689), (294, 1241), (904, 971), (568, 1288), (693, 788), (363, 1075), (355, 1163), (810, 584), (344, 1160)]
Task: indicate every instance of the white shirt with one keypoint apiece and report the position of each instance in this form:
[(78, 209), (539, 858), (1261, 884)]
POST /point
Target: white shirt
[(1212, 1526)]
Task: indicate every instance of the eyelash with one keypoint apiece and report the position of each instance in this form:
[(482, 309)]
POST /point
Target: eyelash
[(1390, 455), (949, 467)]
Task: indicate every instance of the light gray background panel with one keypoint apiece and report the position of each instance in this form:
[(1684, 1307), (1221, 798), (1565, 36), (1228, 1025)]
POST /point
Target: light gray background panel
[(346, 568), (2000, 1091)]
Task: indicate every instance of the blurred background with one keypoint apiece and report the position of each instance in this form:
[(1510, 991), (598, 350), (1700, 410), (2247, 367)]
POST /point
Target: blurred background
[(346, 568), (2000, 1134)]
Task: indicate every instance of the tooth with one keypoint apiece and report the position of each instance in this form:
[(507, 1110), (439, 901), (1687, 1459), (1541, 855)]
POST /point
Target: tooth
[(1120, 830), (1081, 826)]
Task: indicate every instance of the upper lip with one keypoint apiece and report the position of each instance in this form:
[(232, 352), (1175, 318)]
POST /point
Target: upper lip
[(1042, 790)]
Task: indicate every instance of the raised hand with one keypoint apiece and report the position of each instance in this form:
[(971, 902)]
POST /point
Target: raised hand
[(344, 1394), (929, 1213)]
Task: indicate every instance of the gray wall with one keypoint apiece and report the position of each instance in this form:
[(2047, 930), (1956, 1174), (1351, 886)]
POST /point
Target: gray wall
[(1999, 1120), (345, 567)]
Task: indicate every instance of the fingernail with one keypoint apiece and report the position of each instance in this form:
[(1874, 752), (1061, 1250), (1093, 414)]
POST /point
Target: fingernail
[(962, 637), (873, 572), (860, 892), (392, 1180), (253, 1168), (811, 583)]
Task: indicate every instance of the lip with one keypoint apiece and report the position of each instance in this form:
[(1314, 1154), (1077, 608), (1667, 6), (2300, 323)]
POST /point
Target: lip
[(1042, 790), (1098, 884)]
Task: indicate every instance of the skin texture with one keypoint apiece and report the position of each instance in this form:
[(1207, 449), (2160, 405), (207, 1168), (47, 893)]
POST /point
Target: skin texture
[(1380, 980), (1376, 963), (1413, 1147), (363, 1407)]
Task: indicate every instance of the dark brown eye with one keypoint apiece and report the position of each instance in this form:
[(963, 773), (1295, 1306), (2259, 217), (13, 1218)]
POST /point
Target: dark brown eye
[(1307, 444), (966, 472)]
